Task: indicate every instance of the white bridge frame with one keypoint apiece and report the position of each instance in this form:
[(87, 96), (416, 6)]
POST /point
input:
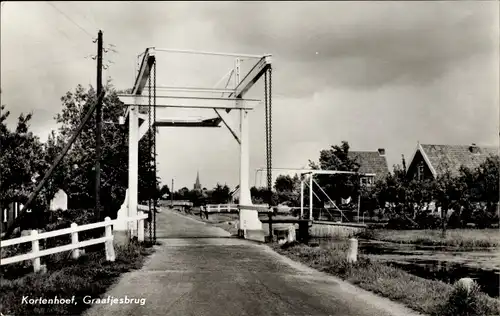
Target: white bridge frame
[(230, 99), (309, 175)]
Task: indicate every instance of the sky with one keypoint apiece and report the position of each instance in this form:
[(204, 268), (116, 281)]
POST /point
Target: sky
[(376, 74)]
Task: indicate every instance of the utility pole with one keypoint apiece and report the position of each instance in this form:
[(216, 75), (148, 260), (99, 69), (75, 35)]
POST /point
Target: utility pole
[(98, 122)]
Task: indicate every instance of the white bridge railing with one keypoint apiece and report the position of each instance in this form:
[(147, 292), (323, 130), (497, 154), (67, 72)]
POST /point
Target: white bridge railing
[(227, 208), (177, 203), (221, 208), (73, 230)]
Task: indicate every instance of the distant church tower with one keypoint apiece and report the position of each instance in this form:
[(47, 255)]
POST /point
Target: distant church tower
[(197, 185)]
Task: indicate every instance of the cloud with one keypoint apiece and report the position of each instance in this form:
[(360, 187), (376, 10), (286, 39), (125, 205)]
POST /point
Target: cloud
[(386, 74), (360, 45)]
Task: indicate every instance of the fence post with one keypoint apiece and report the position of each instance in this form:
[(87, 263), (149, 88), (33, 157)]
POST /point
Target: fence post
[(74, 240), (352, 253), (140, 227), (35, 248), (108, 244)]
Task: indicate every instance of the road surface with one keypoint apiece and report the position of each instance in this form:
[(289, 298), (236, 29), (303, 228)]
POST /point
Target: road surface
[(200, 270)]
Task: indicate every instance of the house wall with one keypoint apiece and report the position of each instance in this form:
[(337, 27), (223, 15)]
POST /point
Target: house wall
[(370, 181), (8, 213), (412, 172)]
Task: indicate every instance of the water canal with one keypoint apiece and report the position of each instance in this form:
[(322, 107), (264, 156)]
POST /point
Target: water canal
[(438, 263)]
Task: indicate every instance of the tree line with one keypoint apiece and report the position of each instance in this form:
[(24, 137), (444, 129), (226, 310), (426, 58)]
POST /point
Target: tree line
[(220, 194), (24, 158), (472, 196)]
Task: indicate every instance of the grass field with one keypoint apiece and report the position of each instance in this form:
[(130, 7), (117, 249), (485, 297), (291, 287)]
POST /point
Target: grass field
[(90, 275), (426, 296), (463, 238)]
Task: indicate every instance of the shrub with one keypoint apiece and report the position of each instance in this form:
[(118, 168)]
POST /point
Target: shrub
[(425, 220), (366, 234), (468, 302), (400, 222)]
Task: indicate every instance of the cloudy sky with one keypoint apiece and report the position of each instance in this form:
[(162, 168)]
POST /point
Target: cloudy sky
[(377, 74)]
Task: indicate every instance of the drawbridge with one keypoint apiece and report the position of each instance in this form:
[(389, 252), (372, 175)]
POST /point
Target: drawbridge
[(147, 95)]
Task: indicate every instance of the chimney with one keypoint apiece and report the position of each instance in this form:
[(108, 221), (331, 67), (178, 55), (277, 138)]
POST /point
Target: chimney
[(474, 149), (381, 151)]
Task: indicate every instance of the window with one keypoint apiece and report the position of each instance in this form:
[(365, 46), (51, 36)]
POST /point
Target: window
[(420, 171), (367, 180)]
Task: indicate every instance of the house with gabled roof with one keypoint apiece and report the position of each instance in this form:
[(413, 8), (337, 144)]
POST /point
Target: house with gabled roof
[(372, 162), (429, 161)]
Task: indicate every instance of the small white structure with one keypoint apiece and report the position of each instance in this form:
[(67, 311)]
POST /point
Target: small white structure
[(285, 234), (291, 233), (465, 283), (60, 201), (122, 214)]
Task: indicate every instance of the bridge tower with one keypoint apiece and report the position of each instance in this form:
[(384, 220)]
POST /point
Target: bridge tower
[(201, 98)]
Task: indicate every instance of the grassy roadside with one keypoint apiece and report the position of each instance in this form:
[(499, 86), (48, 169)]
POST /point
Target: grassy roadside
[(460, 238), (425, 296), (90, 275), (430, 297)]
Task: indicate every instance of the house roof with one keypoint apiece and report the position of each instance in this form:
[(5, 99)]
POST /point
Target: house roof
[(370, 162), (454, 156)]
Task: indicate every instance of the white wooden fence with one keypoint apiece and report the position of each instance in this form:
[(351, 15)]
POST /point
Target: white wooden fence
[(73, 230)]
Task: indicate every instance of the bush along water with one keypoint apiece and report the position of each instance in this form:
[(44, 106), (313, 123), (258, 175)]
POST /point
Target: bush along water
[(466, 299)]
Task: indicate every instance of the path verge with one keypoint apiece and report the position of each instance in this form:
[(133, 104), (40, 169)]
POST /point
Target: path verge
[(91, 275), (425, 296)]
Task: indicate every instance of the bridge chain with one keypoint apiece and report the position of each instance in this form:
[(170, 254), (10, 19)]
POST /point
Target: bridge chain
[(152, 203), (149, 168), (270, 142), (154, 152), (268, 114)]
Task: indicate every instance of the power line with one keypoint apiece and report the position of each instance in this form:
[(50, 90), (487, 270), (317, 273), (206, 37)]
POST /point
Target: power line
[(45, 63), (63, 33), (57, 29), (85, 17), (71, 20)]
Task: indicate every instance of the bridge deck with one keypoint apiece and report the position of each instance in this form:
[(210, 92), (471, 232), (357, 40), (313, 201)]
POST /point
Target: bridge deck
[(287, 221)]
